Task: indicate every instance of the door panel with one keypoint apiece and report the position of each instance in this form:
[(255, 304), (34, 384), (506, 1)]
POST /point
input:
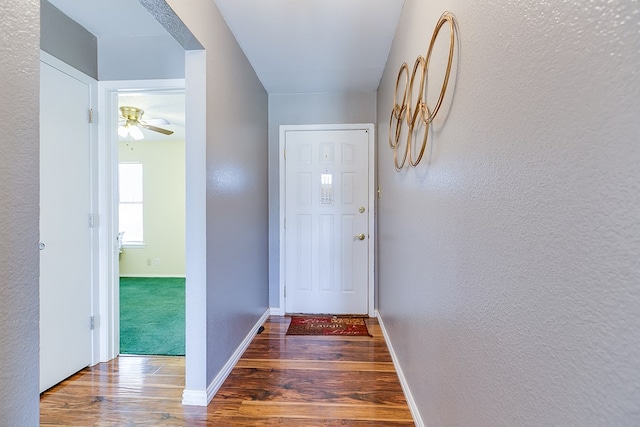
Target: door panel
[(65, 260), (326, 184)]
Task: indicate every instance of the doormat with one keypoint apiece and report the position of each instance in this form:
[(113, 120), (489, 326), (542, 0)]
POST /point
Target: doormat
[(328, 325)]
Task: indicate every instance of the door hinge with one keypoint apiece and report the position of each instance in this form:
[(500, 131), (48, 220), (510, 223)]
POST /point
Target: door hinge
[(285, 223), (92, 323), (285, 291), (90, 115), (285, 154), (92, 220)]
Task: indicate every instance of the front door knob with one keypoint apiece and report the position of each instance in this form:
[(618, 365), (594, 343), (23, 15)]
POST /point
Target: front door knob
[(360, 236)]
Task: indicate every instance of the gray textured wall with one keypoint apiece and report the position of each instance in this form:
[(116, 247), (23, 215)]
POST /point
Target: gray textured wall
[(67, 40), (19, 212), (140, 58), (509, 273), (304, 109), (237, 226)]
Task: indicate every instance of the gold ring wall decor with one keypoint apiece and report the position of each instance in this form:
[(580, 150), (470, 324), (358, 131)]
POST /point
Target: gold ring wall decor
[(408, 117)]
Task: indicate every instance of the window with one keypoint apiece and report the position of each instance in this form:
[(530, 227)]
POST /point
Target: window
[(131, 208), (326, 189)]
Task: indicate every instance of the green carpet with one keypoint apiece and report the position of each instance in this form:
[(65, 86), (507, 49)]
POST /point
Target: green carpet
[(152, 316)]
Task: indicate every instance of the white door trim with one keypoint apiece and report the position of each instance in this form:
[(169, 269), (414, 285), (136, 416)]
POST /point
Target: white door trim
[(108, 320), (371, 208)]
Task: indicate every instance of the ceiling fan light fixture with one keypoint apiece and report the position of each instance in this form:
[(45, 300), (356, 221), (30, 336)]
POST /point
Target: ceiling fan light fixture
[(131, 113), (132, 117), (126, 131), (136, 133), (123, 131)]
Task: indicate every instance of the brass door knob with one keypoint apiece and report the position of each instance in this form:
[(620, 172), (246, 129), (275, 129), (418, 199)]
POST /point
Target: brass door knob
[(360, 236)]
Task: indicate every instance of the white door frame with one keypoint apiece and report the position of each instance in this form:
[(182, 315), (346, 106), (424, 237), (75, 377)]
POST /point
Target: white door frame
[(109, 307), (370, 209)]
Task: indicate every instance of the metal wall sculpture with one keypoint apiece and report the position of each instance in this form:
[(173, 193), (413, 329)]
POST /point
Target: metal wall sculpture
[(409, 118)]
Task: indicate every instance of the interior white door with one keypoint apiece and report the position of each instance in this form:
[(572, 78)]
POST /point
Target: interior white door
[(65, 256), (327, 221)]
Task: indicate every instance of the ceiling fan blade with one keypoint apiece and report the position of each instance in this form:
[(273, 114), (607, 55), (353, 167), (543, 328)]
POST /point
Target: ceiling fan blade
[(157, 122), (156, 129)]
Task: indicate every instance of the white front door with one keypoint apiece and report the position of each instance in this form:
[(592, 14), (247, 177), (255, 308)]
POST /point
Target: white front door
[(65, 256), (327, 221)]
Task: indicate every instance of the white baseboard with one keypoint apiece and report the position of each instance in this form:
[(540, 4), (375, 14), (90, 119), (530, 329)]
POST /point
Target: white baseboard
[(417, 419), (276, 311), (219, 379), (202, 397), (194, 397), (162, 276)]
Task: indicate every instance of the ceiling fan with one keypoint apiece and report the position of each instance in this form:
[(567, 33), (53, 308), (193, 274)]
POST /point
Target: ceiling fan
[(131, 121)]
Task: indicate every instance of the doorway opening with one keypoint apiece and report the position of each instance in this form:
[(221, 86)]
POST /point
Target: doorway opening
[(151, 222), (140, 93)]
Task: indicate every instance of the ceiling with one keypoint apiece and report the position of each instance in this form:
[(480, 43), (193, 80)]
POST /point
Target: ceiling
[(315, 46), (295, 46), (111, 18)]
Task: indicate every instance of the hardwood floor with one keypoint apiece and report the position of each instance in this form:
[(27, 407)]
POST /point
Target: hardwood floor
[(279, 381)]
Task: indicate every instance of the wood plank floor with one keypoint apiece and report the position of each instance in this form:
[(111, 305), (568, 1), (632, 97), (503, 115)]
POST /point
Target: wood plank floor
[(279, 381)]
